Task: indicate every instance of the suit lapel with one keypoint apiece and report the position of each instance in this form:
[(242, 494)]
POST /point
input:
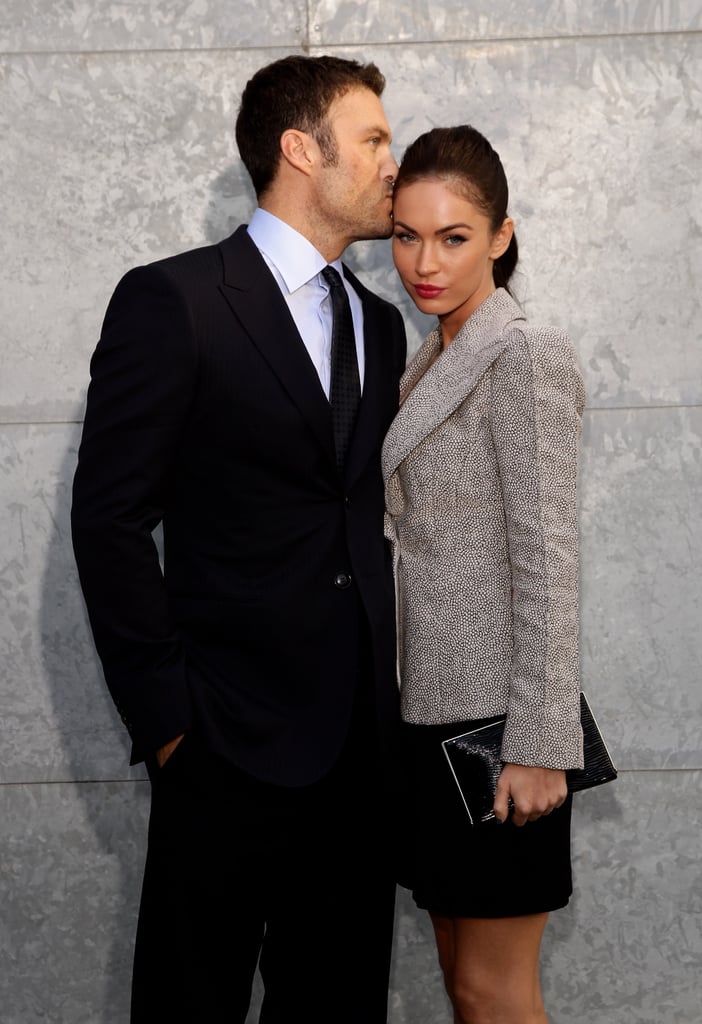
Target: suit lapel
[(432, 392), (364, 440), (256, 301)]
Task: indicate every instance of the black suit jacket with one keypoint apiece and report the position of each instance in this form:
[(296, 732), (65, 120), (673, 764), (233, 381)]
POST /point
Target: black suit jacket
[(205, 413)]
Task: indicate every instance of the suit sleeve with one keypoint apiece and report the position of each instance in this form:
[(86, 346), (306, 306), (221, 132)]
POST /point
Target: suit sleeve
[(143, 375), (537, 403), (401, 350)]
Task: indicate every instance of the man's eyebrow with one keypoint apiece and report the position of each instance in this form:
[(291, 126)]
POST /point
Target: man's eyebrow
[(382, 132)]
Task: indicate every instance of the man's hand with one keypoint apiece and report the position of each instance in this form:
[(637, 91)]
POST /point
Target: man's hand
[(533, 791), (164, 752)]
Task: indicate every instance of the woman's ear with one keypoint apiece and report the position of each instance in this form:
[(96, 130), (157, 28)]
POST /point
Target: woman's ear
[(299, 149), (502, 238)]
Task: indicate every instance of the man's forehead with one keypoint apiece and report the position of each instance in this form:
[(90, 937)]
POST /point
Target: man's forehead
[(362, 107)]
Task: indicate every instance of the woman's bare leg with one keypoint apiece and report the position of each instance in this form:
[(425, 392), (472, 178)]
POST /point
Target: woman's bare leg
[(491, 968)]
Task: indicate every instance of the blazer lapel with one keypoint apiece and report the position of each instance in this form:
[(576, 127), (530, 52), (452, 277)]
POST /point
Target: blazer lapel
[(256, 301), (432, 392)]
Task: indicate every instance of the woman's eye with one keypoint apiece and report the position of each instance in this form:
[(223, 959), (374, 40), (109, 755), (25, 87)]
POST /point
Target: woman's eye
[(404, 236), (455, 240)]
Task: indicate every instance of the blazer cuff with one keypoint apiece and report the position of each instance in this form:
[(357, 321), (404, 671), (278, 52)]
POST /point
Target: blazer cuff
[(547, 744)]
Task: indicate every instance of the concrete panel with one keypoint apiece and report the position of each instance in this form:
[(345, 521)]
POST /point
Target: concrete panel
[(114, 160), (58, 721), (89, 25), (600, 143), (641, 519), (416, 985), (71, 877), (123, 160), (628, 948), (335, 22)]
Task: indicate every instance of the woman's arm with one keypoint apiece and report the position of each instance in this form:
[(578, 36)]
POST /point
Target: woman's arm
[(537, 403)]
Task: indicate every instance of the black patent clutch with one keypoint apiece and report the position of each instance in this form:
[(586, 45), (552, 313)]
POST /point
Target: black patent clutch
[(475, 763)]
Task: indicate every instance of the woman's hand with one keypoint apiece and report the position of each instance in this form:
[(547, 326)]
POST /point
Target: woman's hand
[(533, 792), (164, 752)]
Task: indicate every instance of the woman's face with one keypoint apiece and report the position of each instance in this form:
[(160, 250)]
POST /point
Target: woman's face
[(444, 250)]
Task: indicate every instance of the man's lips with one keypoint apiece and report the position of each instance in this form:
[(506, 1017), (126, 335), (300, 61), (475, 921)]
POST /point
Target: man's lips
[(427, 291)]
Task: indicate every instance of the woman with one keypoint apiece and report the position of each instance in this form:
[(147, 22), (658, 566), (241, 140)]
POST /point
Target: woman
[(480, 466)]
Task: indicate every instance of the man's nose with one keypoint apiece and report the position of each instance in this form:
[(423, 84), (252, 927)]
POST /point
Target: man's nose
[(391, 168)]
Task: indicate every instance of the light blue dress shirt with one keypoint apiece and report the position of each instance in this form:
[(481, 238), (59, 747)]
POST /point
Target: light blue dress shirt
[(296, 266)]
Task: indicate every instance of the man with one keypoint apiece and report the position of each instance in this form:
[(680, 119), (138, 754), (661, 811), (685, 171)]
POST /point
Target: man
[(255, 672)]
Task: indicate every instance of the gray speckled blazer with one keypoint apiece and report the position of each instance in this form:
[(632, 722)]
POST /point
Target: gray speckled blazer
[(480, 468)]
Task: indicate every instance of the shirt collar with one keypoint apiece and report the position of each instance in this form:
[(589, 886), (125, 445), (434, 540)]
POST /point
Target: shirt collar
[(294, 257)]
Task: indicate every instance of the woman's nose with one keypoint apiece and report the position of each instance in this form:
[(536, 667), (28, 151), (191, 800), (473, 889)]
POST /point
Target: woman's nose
[(426, 263)]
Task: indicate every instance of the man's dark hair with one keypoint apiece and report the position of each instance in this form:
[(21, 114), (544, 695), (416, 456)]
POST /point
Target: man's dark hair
[(295, 92)]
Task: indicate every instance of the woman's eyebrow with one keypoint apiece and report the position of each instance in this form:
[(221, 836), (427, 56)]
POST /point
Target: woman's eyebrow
[(439, 231)]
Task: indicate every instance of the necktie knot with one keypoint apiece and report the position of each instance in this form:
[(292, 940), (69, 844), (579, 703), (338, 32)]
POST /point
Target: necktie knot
[(345, 386), (333, 278)]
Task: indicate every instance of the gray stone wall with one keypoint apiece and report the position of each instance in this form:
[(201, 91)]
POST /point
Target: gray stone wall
[(116, 147)]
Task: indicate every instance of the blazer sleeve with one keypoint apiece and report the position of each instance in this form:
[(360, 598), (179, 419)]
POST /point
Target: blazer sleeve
[(143, 375), (537, 403)]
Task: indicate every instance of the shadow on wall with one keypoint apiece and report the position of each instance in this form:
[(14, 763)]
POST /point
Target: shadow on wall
[(98, 839), (232, 201), (100, 834)]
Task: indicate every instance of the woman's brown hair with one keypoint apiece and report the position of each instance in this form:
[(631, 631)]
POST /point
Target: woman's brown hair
[(465, 160)]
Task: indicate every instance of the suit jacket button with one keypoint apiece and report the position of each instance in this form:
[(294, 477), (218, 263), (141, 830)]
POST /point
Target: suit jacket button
[(342, 581)]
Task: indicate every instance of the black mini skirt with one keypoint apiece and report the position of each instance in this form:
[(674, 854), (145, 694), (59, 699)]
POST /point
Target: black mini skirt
[(456, 869)]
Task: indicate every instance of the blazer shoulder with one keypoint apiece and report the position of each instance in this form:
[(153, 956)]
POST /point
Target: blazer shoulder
[(539, 342), (549, 352), (534, 336)]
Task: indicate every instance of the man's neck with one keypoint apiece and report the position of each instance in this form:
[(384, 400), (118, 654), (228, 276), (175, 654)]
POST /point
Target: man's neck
[(298, 217)]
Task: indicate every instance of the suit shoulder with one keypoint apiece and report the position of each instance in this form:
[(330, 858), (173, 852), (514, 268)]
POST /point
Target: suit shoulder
[(201, 264), (167, 290), (188, 270)]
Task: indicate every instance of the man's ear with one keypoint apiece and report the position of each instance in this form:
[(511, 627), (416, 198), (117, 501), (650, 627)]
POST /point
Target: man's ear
[(299, 149), (502, 238)]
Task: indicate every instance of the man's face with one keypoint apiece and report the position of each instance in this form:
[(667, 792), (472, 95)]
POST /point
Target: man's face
[(354, 194)]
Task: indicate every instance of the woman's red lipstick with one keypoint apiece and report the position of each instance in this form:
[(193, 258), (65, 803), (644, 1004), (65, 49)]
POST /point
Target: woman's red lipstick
[(427, 291)]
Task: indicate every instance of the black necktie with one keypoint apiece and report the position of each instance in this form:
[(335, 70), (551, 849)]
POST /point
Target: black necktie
[(345, 388)]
